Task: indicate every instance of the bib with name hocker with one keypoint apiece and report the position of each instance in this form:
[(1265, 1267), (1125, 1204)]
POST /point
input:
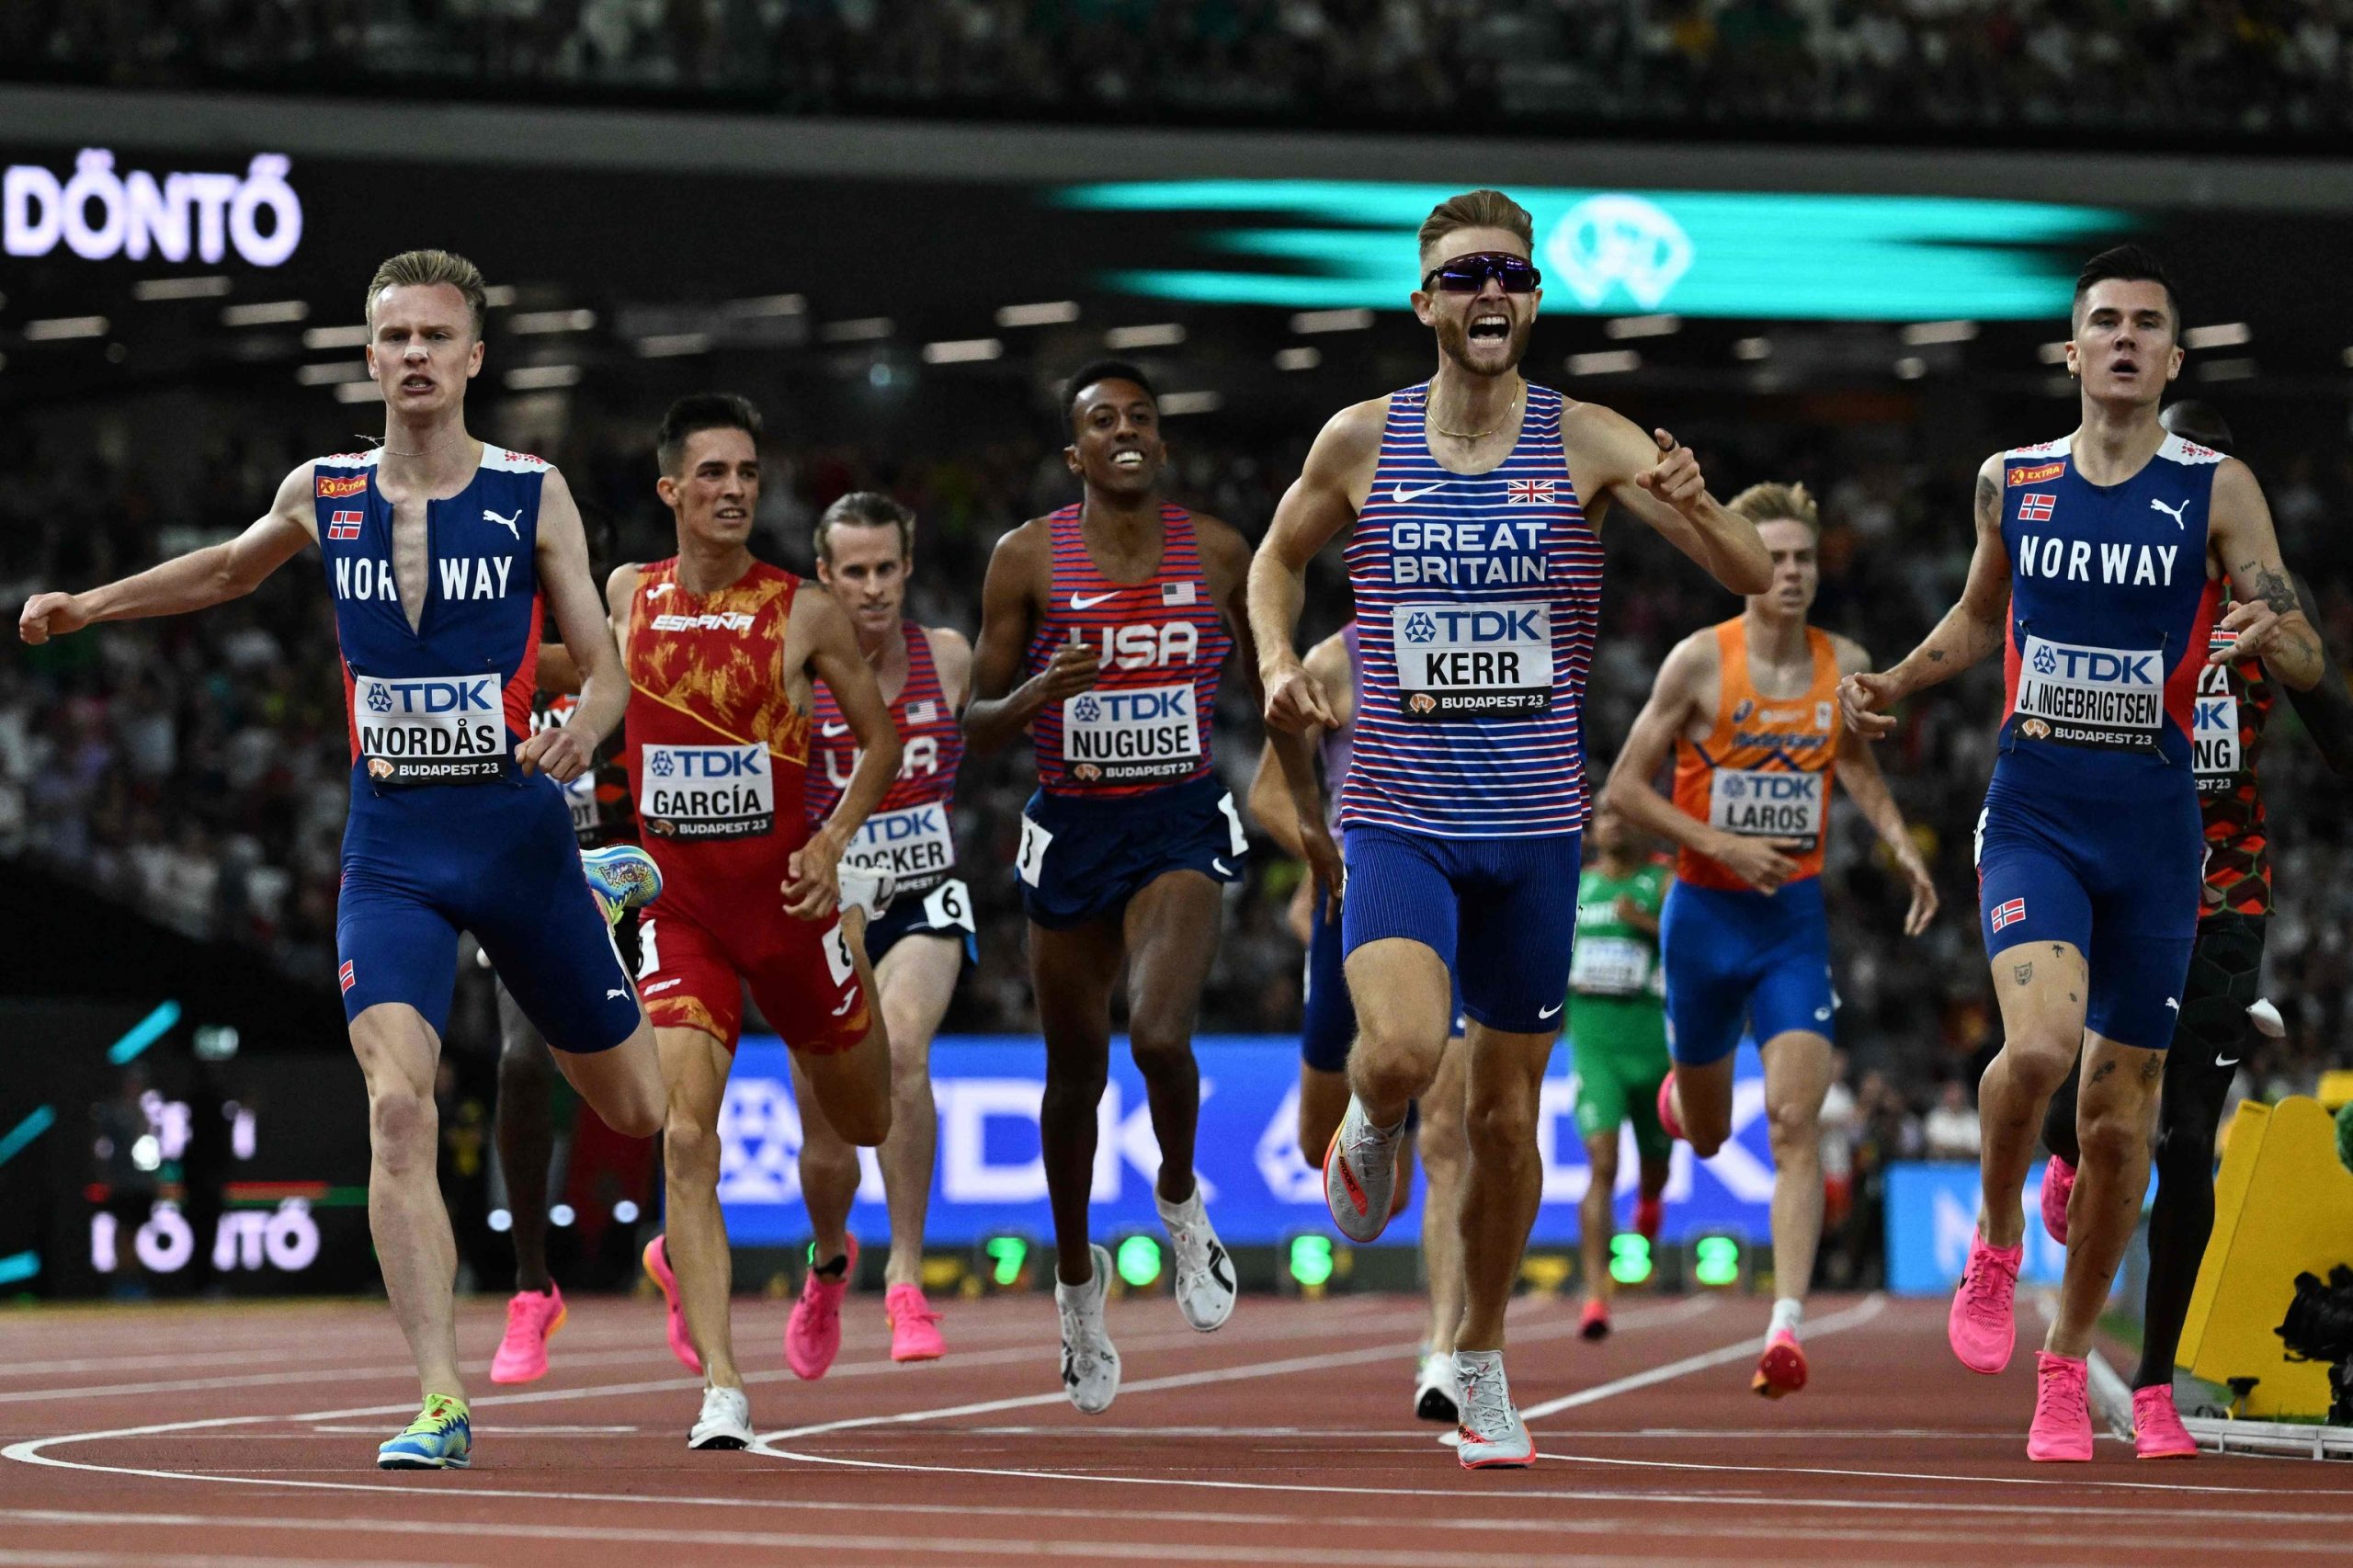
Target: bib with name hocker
[(1457, 661), (914, 844), (1131, 734), (431, 728), (707, 791)]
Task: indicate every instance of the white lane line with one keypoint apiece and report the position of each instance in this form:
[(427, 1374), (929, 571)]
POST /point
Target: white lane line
[(1861, 1312), (554, 1429), (2072, 1481), (1555, 1327), (11, 1558)]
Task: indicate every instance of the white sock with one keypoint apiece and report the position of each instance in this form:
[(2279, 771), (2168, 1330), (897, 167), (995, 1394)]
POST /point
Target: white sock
[(1174, 1213), (1788, 1313)]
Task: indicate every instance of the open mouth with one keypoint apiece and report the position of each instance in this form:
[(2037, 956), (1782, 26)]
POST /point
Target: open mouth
[(1489, 326), (1131, 459), (730, 513), (417, 384)]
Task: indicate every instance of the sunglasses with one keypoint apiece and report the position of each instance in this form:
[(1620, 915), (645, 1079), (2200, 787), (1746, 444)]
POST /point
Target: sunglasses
[(1468, 274)]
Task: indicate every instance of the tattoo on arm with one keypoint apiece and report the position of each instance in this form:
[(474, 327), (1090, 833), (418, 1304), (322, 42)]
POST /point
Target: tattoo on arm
[(2273, 587), (2023, 974), (2152, 1069), (1989, 501), (1936, 655)]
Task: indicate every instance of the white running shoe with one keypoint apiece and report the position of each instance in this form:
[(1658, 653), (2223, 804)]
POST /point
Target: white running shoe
[(1437, 1394), (1493, 1437), (1204, 1273), (1360, 1173), (1090, 1366), (725, 1422)]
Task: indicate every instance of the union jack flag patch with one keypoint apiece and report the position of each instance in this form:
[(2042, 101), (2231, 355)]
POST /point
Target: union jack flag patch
[(344, 525), (1527, 491), (2009, 913)]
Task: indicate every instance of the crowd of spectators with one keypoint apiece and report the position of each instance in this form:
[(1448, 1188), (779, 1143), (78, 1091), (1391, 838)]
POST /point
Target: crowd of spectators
[(198, 768), (2173, 69)]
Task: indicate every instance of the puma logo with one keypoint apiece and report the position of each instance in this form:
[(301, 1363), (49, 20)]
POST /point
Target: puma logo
[(2173, 512), (509, 523)]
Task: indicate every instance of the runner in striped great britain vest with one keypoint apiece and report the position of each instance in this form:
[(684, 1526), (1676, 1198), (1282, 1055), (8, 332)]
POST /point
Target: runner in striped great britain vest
[(1103, 630), (2090, 578), (1477, 571)]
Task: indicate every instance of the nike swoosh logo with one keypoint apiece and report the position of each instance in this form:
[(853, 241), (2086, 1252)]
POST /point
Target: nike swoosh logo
[(835, 728), (1223, 870), (2231, 1062), (1550, 1011), (1088, 601), (1400, 495)]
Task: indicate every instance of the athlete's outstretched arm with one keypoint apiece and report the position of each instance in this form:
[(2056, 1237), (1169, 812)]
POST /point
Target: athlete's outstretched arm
[(820, 638), (563, 751), (1658, 480), (559, 672), (1271, 804), (2268, 618), (1973, 628), (999, 710), (195, 581), (1858, 775), (2327, 708), (1685, 676), (1320, 502), (1227, 555)]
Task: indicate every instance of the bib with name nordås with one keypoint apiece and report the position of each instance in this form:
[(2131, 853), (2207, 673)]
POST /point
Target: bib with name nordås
[(444, 702), (1477, 598), (2109, 613)]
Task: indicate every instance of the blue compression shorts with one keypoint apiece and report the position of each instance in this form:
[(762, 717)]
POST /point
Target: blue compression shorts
[(1735, 957), (1501, 913)]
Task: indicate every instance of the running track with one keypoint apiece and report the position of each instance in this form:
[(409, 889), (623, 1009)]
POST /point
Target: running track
[(215, 1434)]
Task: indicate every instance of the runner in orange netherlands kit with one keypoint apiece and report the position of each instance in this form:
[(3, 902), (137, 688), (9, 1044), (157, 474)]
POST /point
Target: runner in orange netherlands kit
[(721, 649)]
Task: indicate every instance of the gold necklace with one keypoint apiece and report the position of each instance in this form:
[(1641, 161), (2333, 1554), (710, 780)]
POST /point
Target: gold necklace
[(1481, 434)]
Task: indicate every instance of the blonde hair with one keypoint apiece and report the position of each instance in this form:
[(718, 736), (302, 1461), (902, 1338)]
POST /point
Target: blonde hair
[(425, 269), (1779, 502), (1478, 210)]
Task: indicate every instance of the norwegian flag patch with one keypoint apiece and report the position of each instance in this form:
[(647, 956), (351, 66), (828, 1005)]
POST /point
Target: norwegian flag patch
[(345, 975), (2036, 506), (2009, 913), (344, 525), (1527, 492), (1179, 593)]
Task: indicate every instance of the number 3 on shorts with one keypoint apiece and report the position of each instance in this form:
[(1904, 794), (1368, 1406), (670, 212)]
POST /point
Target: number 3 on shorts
[(1030, 864)]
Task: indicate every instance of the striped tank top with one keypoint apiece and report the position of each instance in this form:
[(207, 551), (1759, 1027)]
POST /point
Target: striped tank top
[(1477, 596), (1145, 724), (1764, 770), (909, 834)]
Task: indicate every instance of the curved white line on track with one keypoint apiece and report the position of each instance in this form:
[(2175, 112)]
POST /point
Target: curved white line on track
[(1861, 1312)]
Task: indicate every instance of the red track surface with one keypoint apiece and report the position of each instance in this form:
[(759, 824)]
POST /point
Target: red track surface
[(234, 1433)]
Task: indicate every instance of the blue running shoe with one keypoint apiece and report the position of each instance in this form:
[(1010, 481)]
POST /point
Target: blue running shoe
[(622, 876), (441, 1437)]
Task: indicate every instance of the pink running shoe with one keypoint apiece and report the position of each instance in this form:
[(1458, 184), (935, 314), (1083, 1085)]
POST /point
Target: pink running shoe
[(1983, 1328), (1667, 1109), (531, 1321), (2062, 1409), (2157, 1431), (915, 1327), (1782, 1370), (1649, 1214), (812, 1337), (657, 1268), (2058, 1185)]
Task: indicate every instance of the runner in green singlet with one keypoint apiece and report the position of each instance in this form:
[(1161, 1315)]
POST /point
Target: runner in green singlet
[(1618, 1039)]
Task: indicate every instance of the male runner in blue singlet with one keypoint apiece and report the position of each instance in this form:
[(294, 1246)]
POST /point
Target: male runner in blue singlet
[(1477, 573), (2090, 577), (1103, 630), (442, 555)]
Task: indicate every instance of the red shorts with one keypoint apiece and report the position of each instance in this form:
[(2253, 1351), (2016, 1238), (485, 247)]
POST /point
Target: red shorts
[(691, 977)]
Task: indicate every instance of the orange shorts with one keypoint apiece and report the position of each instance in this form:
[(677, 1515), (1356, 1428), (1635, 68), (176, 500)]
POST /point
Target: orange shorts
[(799, 971)]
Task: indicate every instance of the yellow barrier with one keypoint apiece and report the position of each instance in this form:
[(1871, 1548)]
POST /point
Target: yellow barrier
[(2282, 1205), (2335, 1089)]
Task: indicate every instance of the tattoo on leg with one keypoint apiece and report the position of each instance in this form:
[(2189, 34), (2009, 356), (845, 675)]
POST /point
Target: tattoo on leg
[(2102, 1070), (2022, 974), (2152, 1069)]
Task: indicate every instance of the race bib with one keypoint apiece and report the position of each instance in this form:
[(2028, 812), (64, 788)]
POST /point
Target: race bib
[(950, 904), (1762, 804), (706, 792), (1030, 860), (2090, 696), (2214, 730), (1132, 735), (914, 845), (431, 728), (1608, 966), (580, 798), (1472, 661)]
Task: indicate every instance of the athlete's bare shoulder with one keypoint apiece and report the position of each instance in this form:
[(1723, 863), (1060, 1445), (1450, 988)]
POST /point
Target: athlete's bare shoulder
[(1852, 656), (297, 494), (1222, 544), (621, 586), (1699, 657), (1348, 446), (952, 657)]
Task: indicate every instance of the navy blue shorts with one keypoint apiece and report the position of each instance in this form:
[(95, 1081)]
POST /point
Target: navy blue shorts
[(1082, 858), (1501, 913), (945, 911), (1735, 957), (2120, 887), (1329, 1027), (497, 859)]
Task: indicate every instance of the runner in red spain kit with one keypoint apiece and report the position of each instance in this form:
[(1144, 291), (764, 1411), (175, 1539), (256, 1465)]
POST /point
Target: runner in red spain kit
[(918, 947), (722, 652), (1103, 630)]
